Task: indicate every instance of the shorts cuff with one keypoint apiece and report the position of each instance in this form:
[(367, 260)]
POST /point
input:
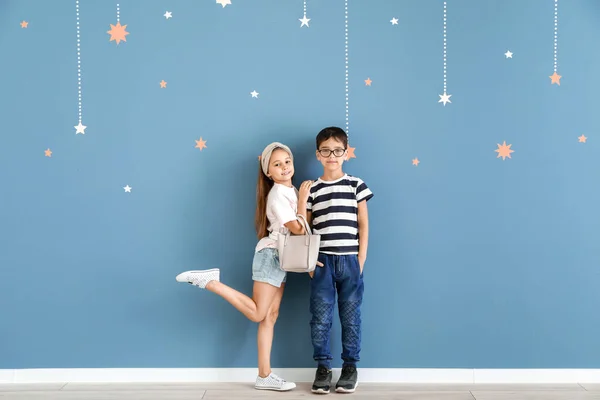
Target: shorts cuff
[(271, 282)]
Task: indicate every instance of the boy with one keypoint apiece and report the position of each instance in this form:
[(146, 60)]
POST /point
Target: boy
[(337, 209)]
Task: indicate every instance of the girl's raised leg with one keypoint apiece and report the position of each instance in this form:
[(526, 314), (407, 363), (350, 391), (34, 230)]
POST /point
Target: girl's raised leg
[(255, 308)]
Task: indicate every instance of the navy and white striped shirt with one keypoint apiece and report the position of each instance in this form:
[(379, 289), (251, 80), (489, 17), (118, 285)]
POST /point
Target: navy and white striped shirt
[(334, 208)]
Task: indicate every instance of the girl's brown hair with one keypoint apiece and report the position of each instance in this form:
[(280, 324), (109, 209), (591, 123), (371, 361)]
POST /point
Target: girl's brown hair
[(263, 186)]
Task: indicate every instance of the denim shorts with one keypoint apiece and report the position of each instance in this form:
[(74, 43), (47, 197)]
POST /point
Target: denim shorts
[(265, 267)]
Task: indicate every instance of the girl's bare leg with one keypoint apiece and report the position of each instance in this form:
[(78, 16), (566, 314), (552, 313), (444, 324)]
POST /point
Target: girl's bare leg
[(265, 334)]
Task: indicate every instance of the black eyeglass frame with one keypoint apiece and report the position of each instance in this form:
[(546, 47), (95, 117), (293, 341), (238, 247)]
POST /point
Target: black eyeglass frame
[(329, 151)]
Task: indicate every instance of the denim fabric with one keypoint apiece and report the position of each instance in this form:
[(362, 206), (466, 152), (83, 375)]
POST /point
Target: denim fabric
[(265, 267), (339, 275)]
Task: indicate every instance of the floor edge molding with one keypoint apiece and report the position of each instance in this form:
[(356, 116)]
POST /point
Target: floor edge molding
[(372, 375)]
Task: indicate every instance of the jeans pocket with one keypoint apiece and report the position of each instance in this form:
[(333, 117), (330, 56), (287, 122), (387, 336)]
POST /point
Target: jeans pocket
[(357, 262), (314, 273)]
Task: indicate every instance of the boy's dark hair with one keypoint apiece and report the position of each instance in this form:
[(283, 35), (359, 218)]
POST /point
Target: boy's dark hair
[(332, 132)]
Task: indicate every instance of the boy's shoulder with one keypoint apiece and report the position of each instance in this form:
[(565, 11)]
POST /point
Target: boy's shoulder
[(351, 180), (346, 180), (354, 178)]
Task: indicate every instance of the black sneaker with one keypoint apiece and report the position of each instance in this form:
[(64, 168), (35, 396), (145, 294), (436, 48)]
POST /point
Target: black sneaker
[(348, 380), (322, 382)]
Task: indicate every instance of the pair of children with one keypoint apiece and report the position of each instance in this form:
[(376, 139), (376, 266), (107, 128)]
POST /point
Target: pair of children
[(335, 205)]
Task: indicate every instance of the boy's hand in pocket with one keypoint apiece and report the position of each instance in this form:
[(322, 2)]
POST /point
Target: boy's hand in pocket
[(361, 262), (319, 264)]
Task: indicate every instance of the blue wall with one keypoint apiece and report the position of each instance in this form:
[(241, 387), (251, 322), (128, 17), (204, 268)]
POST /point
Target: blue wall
[(474, 261)]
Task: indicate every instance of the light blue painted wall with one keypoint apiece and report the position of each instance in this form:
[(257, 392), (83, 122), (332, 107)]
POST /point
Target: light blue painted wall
[(473, 261)]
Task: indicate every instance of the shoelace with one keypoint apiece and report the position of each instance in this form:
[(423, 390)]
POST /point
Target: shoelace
[(278, 379), (347, 371), (322, 373)]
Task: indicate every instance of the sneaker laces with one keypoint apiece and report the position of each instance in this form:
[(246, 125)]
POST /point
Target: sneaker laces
[(347, 371), (322, 373), (277, 378)]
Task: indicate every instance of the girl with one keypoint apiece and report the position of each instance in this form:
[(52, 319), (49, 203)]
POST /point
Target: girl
[(278, 203)]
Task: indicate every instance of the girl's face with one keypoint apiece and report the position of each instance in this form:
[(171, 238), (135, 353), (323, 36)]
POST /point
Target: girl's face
[(281, 167)]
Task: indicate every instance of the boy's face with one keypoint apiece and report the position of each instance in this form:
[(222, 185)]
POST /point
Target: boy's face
[(332, 154)]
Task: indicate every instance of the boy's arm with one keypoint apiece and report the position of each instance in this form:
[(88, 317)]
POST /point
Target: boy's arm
[(309, 219), (363, 233), (308, 205)]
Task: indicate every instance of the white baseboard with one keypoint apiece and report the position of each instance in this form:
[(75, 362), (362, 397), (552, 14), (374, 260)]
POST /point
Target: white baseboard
[(373, 375)]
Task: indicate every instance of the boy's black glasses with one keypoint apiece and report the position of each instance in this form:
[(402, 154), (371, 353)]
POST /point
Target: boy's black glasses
[(327, 152)]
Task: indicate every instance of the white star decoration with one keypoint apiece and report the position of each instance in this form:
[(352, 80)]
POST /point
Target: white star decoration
[(127, 188), (168, 14), (508, 54), (445, 98), (254, 93), (304, 21), (223, 2), (394, 21), (80, 128)]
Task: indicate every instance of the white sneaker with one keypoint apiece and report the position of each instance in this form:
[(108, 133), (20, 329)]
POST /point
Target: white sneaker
[(199, 278), (273, 382)]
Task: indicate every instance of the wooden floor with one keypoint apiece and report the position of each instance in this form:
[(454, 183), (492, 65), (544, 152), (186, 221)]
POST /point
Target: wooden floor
[(207, 391)]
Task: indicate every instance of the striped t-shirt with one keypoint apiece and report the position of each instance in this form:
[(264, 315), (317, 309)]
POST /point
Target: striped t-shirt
[(334, 208)]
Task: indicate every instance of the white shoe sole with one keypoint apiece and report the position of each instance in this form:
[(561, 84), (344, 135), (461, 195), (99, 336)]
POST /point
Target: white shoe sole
[(181, 276), (320, 391), (342, 390), (273, 388)]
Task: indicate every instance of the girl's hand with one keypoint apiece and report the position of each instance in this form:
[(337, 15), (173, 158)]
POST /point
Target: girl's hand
[(304, 191)]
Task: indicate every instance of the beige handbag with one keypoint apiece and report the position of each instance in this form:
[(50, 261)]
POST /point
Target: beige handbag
[(298, 253)]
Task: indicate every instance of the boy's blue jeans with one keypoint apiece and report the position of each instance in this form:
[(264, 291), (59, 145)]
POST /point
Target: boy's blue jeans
[(341, 274)]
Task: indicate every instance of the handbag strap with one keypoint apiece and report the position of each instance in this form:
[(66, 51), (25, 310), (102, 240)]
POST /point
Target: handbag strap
[(300, 217), (305, 223)]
